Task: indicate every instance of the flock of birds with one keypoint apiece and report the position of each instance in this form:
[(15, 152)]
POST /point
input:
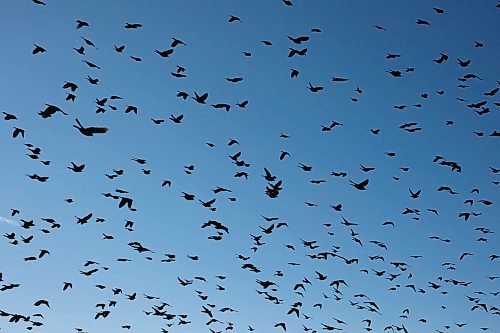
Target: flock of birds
[(278, 285)]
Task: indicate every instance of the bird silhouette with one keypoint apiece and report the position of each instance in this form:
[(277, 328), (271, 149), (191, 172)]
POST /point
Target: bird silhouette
[(89, 131), (200, 98), (38, 49), (50, 110), (361, 185), (76, 168)]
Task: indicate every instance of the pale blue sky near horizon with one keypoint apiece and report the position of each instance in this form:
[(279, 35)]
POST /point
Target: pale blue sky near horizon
[(348, 46)]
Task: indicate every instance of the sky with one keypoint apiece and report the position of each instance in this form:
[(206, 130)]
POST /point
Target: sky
[(348, 46)]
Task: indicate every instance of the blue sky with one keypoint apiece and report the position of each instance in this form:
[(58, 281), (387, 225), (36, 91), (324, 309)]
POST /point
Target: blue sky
[(348, 46)]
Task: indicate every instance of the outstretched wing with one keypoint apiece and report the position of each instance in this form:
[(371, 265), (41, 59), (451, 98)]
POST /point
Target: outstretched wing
[(268, 174), (364, 182)]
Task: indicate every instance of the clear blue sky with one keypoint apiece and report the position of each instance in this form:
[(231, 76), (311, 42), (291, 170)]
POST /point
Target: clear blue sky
[(348, 46)]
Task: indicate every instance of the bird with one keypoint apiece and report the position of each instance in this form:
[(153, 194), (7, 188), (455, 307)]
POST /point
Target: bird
[(305, 167), (76, 168), (201, 99), (80, 24), (157, 121), (284, 154), (119, 49), (395, 73), (166, 53), (414, 195), (80, 50), (294, 52), (281, 325), (89, 131), (50, 110), (18, 131), (131, 108), (361, 185), (176, 119), (314, 89), (88, 42), (42, 302), (234, 79), (233, 18), (463, 63), (268, 176), (298, 40), (133, 25), (70, 85), (242, 104), (442, 58), (38, 49), (9, 116), (422, 22)]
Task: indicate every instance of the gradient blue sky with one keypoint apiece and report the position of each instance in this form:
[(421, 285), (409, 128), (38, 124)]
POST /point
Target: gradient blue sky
[(348, 46)]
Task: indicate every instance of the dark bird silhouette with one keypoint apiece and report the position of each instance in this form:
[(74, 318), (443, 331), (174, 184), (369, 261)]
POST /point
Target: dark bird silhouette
[(176, 42), (133, 25), (314, 89), (166, 53), (242, 104), (200, 99), (394, 73), (50, 110), (298, 40), (18, 131), (442, 58), (176, 119), (91, 65), (89, 131), (268, 176), (283, 155), (8, 116), (38, 49), (76, 168), (80, 50), (463, 63), (42, 302), (282, 325), (414, 195), (294, 52), (80, 24), (131, 108), (422, 22), (70, 85), (233, 18), (88, 42), (360, 186), (234, 79)]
